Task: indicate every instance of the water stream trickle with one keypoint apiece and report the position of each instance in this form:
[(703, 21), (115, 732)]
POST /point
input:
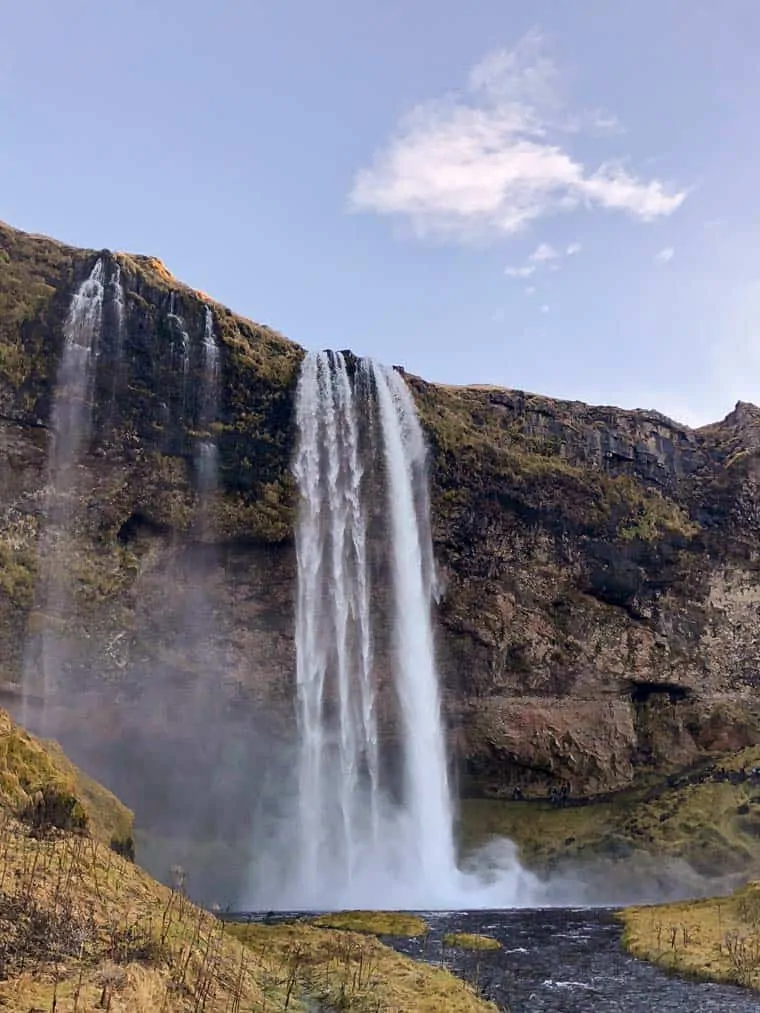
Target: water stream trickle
[(71, 424), (208, 463)]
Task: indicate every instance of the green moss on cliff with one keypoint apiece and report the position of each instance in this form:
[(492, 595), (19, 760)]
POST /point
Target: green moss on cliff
[(712, 825), (34, 268), (18, 570)]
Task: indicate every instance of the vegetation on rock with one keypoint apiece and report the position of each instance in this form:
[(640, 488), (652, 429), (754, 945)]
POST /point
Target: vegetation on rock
[(709, 817)]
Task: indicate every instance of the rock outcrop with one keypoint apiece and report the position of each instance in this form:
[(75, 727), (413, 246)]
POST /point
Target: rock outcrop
[(599, 613)]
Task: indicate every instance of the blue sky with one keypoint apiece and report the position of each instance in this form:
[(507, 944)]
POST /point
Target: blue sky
[(560, 197)]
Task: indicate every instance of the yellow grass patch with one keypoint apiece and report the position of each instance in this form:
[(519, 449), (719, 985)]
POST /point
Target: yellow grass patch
[(471, 941), (716, 939), (376, 923)]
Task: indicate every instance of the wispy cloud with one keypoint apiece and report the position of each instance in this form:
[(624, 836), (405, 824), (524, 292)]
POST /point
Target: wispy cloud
[(544, 308), (544, 256), (491, 160), (542, 253), (520, 272), (530, 290), (665, 255)]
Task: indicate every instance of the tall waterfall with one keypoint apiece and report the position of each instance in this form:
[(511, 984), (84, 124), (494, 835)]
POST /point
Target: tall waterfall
[(71, 423), (358, 843), (339, 776)]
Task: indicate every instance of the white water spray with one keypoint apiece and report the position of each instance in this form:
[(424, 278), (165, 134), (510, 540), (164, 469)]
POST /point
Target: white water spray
[(358, 843)]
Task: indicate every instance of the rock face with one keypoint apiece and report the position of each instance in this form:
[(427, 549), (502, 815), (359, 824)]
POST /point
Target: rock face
[(599, 618)]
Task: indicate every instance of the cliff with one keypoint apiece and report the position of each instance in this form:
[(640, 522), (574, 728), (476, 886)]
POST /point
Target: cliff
[(598, 622)]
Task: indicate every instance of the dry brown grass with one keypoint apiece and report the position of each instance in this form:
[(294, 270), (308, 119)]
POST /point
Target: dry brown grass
[(352, 971), (716, 939)]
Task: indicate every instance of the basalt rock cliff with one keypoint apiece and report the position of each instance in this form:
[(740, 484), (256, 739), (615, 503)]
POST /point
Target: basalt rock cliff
[(599, 568)]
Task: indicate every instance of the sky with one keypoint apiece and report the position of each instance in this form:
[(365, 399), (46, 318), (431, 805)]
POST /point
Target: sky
[(555, 197)]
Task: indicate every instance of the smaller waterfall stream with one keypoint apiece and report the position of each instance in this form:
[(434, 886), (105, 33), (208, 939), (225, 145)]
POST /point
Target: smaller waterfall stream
[(426, 779), (71, 423), (208, 456)]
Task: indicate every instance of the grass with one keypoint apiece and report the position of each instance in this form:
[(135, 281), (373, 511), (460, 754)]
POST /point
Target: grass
[(28, 766), (83, 929), (376, 923), (470, 941), (352, 971), (716, 939)]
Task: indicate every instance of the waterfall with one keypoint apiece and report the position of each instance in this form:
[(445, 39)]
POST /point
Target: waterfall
[(71, 423), (339, 752), (426, 780), (356, 844), (208, 464), (117, 290), (364, 836), (184, 342)]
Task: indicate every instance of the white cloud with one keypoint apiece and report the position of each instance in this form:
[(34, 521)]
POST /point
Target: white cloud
[(530, 290), (665, 255), (544, 256), (491, 161), (544, 308), (542, 253)]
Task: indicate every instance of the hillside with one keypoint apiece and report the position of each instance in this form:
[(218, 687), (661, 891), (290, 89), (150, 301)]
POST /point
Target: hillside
[(598, 622), (82, 928)]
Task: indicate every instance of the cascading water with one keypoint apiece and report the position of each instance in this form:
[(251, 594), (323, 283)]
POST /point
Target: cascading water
[(208, 464), (71, 423), (360, 842), (338, 778), (427, 792), (117, 291), (184, 343)]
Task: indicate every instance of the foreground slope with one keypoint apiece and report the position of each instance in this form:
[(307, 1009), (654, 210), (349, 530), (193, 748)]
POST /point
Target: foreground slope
[(83, 929), (598, 620)]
